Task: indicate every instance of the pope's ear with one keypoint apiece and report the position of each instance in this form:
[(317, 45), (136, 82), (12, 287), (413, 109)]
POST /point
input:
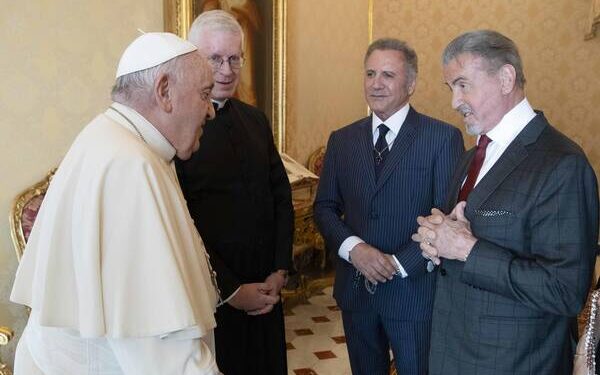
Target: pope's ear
[(162, 92)]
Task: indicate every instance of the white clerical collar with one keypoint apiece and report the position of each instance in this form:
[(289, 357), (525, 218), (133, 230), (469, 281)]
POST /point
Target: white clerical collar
[(512, 123), (220, 103), (394, 122), (153, 138)]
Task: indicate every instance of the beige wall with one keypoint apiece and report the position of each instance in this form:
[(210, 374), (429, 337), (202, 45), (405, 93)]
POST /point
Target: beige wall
[(58, 65), (562, 70), (326, 41), (57, 68)]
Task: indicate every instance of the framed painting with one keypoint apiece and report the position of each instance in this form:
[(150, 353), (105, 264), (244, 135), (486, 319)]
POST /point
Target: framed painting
[(594, 23), (262, 81)]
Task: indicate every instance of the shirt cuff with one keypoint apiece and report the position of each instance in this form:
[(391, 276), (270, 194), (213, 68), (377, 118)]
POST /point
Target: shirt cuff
[(347, 246), (222, 302), (401, 271)]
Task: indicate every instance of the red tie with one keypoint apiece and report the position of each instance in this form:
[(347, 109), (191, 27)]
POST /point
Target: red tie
[(474, 168)]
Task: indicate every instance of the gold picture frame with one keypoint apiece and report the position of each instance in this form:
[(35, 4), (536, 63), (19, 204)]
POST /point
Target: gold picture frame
[(178, 17), (594, 22)]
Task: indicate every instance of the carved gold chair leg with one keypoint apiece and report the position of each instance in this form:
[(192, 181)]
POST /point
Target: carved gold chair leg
[(6, 334)]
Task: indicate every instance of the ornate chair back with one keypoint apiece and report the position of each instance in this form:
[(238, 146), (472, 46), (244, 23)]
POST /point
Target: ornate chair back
[(22, 215), (589, 326), (24, 211), (315, 161)]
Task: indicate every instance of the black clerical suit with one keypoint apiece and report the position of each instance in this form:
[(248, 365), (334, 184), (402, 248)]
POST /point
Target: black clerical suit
[(239, 196)]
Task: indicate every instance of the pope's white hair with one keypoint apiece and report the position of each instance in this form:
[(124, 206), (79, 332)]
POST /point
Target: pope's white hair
[(139, 85)]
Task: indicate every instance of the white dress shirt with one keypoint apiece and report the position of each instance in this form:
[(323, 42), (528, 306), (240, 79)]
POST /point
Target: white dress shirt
[(394, 123), (513, 122)]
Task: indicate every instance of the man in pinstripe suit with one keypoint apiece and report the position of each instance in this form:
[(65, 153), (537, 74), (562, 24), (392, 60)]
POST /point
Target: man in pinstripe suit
[(519, 253), (379, 174)]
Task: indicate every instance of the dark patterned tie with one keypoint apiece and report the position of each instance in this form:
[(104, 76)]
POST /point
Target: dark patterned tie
[(474, 168), (381, 149)]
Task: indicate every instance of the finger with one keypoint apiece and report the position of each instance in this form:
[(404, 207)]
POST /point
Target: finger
[(388, 266), (373, 274), (416, 237), (382, 274), (425, 223), (264, 286), (268, 299), (459, 210), (426, 234), (431, 221), (265, 291), (437, 216), (429, 249), (371, 278), (262, 311)]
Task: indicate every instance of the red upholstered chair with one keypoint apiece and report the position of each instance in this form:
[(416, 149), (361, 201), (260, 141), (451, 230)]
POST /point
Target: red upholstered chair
[(24, 211), (315, 161), (22, 215)]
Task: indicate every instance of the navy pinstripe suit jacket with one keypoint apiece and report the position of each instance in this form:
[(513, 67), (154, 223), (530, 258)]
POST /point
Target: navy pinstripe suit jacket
[(511, 308), (350, 201)]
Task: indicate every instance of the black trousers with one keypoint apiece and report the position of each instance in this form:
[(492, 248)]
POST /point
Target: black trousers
[(250, 345)]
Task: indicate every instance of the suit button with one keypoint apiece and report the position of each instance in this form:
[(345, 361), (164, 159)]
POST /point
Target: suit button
[(374, 215), (443, 271)]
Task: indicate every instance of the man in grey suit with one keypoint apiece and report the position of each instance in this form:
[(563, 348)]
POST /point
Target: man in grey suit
[(517, 251), (379, 174)]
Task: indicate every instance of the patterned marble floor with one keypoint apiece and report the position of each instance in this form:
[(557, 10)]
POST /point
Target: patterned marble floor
[(316, 344)]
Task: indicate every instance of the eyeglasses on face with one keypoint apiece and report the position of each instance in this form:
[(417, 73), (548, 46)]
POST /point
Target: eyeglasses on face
[(235, 62)]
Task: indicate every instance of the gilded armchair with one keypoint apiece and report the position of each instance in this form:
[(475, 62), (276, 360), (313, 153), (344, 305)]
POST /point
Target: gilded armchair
[(315, 161), (22, 216), (5, 335), (24, 211)]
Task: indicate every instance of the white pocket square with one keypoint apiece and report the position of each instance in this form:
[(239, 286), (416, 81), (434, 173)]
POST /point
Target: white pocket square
[(488, 213)]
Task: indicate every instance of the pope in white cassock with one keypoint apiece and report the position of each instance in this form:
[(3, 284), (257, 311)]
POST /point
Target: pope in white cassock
[(115, 273)]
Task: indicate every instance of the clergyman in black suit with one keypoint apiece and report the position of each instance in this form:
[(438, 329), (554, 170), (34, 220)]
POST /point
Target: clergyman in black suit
[(239, 196), (379, 174), (517, 251)]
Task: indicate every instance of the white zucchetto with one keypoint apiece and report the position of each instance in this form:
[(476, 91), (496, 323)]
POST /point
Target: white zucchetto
[(150, 50)]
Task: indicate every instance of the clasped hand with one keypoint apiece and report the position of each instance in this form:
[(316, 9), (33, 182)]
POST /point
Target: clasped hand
[(375, 265), (259, 298), (445, 236)]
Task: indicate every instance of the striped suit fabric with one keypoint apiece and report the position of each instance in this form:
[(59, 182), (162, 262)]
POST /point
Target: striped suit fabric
[(352, 201)]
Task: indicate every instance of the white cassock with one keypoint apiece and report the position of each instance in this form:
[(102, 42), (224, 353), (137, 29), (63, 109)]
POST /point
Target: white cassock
[(114, 271)]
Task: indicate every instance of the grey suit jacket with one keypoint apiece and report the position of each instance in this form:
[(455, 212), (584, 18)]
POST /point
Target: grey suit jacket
[(511, 307)]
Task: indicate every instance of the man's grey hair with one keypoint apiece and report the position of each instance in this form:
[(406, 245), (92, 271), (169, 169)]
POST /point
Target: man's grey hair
[(410, 56), (497, 49), (218, 20), (137, 86)]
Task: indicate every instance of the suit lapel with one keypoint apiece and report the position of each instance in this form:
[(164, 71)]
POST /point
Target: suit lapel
[(403, 140), (510, 159), (365, 150)]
